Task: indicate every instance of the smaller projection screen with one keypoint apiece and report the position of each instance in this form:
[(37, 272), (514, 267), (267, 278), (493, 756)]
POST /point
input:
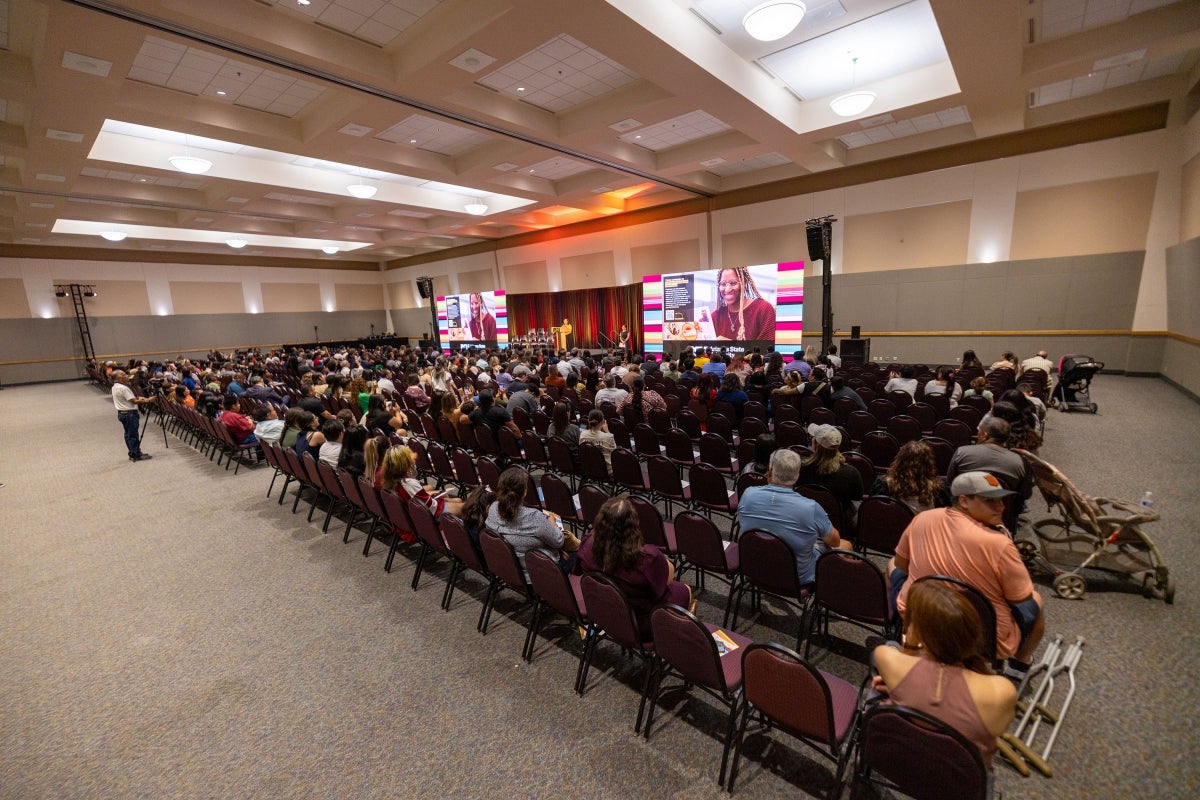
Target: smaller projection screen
[(474, 319), (737, 308)]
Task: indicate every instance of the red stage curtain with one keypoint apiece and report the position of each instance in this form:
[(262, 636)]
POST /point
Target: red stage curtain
[(591, 312)]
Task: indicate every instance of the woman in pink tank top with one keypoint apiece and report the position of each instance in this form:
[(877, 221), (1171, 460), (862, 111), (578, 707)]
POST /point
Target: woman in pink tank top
[(940, 671)]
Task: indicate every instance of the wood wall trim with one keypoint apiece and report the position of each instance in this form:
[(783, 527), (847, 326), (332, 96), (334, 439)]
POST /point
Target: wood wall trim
[(1145, 118), (904, 334), (56, 253)]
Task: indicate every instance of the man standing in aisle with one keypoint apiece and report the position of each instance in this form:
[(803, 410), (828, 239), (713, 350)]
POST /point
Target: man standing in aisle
[(127, 414)]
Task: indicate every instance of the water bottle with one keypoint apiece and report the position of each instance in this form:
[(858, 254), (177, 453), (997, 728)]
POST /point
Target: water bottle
[(1148, 501)]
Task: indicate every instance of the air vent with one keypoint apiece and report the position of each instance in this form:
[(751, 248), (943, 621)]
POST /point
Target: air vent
[(1032, 30), (708, 23)]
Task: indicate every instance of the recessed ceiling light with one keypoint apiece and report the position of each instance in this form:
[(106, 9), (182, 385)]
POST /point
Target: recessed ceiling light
[(192, 165), (412, 141), (113, 236), (774, 19), (303, 2), (520, 88), (221, 92), (236, 244)]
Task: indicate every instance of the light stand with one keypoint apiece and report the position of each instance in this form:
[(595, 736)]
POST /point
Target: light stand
[(316, 334), (823, 226)]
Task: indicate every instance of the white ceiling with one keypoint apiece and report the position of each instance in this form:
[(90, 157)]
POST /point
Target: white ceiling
[(548, 112)]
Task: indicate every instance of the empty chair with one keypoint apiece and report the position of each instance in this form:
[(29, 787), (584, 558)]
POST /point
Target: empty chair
[(665, 482), (510, 445), (610, 617), (562, 459), (557, 497), (464, 470), (541, 419), (488, 471), (722, 426), (808, 404), (751, 428), (924, 414), (536, 456), (768, 565), (785, 692), (753, 409), (443, 466), (900, 399), (883, 410), (821, 416), (656, 530), (701, 544), (943, 454), (881, 521), (679, 448), (686, 647), (714, 451), (843, 407), (505, 570), (591, 497), (940, 403), (784, 412), (954, 431), (904, 428), (975, 402), (628, 472), (660, 420), (646, 441), (788, 433), (881, 447), (859, 424), (710, 492), (689, 423), (616, 426), (897, 745), (556, 591), (866, 469), (465, 555), (854, 590)]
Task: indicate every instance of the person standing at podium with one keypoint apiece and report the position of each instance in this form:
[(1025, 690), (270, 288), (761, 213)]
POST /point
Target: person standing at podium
[(564, 339)]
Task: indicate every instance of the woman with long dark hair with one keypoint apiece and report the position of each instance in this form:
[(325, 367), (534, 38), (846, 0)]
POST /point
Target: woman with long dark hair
[(940, 670), (731, 392), (562, 427), (615, 547), (528, 528), (912, 479), (642, 399)]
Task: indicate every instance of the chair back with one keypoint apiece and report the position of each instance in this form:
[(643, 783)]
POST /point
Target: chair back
[(466, 433), (984, 607), (627, 471), (654, 530), (924, 414), (459, 543), (866, 470), (943, 453), (822, 416), (464, 468), (486, 441), (488, 472), (748, 479), (646, 441), (371, 498), (881, 521), (881, 447), (510, 446), (350, 491), (660, 420), (426, 527), (977, 403), (808, 404), (751, 428), (664, 479), (396, 511), (682, 641), (753, 409), (900, 399), (768, 563), (851, 586), (329, 479), (609, 610), (709, 489), (790, 692), (904, 428), (591, 497), (900, 744), (825, 499), (714, 451), (789, 432), (502, 560), (722, 426), (552, 585), (700, 542), (561, 457), (954, 431), (689, 423), (556, 497), (882, 409), (592, 463), (443, 467), (429, 427), (679, 447)]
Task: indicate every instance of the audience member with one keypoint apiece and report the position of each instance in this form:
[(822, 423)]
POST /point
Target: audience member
[(913, 480), (828, 468), (528, 528)]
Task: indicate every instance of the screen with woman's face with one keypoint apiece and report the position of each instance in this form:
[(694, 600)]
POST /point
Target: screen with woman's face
[(737, 308), (473, 318)]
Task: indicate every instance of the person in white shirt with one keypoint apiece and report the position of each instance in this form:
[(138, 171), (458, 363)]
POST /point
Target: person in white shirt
[(833, 357), (268, 427), (1039, 361), (127, 414), (611, 393)]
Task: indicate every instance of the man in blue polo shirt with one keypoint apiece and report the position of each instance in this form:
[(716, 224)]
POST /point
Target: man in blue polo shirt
[(800, 522)]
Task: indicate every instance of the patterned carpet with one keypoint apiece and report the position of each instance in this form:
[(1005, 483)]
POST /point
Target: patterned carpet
[(170, 632)]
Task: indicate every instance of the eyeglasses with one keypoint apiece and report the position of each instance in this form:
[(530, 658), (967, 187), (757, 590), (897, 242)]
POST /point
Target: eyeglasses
[(728, 285)]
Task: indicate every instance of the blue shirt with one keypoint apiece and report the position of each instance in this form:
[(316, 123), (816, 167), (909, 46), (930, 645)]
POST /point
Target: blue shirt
[(713, 368), (799, 365), (800, 522)]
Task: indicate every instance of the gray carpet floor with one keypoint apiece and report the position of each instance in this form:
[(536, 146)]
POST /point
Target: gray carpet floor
[(168, 631)]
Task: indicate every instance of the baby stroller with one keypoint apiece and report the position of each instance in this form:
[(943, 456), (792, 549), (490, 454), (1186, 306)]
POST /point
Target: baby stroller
[(1075, 375), (1092, 533)]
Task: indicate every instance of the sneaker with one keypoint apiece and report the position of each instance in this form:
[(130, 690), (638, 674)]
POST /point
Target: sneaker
[(141, 457), (1015, 673)]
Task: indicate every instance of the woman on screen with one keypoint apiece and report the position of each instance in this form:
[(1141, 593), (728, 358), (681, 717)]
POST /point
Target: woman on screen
[(483, 324), (742, 313)]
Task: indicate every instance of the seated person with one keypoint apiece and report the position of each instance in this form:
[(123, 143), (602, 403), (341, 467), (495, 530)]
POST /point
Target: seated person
[(913, 480), (240, 426), (945, 384), (615, 548), (902, 380), (400, 476), (840, 389), (967, 542), (268, 427), (597, 433), (828, 468), (331, 448), (731, 392), (528, 528), (494, 416), (800, 522), (979, 388), (940, 671)]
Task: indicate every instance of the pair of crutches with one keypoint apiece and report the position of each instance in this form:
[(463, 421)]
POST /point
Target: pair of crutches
[(1057, 666)]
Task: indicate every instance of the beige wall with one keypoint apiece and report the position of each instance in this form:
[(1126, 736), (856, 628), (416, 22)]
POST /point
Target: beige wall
[(13, 303), (280, 297), (588, 271), (765, 246), (926, 236), (658, 259), (198, 297), (479, 280), (401, 295), (1106, 216), (527, 277), (358, 297), (1189, 201), (113, 299)]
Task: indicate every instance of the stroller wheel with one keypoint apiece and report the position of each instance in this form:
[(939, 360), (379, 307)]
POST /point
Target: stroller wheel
[(1070, 586), (1169, 591), (1149, 585), (1027, 549)]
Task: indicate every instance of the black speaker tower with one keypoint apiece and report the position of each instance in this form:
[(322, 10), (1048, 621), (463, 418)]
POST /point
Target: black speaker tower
[(820, 233)]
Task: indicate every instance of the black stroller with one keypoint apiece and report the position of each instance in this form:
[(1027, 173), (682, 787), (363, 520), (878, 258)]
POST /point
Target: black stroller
[(1075, 375)]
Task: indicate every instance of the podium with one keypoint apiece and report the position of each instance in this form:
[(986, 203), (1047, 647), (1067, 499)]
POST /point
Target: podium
[(564, 337)]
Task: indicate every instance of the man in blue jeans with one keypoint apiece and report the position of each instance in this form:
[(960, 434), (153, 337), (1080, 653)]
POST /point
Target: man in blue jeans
[(127, 413)]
